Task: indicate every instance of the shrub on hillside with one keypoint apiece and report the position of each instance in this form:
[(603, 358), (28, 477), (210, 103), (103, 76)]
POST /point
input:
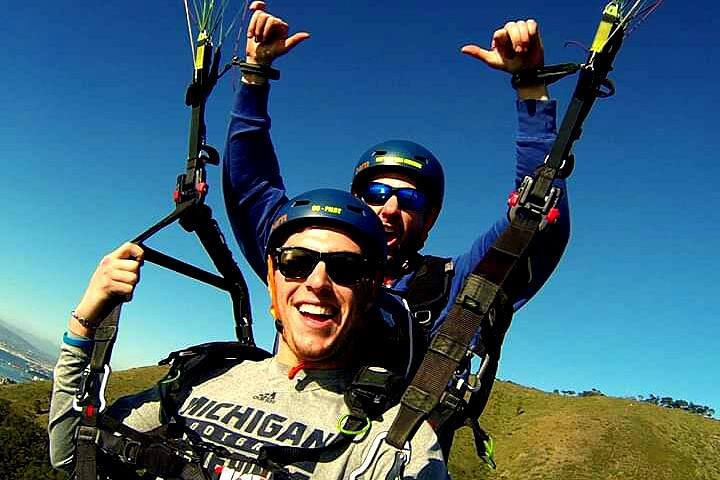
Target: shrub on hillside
[(24, 451)]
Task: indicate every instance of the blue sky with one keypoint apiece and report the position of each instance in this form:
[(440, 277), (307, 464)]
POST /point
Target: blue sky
[(94, 129)]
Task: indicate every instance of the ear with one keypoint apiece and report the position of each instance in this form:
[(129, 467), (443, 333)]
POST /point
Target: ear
[(430, 217), (271, 287), (373, 288)]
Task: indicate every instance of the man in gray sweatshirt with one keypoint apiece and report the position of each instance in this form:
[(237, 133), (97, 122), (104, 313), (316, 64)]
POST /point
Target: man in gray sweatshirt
[(325, 255)]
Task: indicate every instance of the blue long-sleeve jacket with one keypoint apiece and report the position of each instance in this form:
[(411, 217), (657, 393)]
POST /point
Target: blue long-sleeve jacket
[(254, 191)]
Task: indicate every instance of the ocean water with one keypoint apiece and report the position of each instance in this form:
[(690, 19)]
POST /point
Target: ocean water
[(14, 368)]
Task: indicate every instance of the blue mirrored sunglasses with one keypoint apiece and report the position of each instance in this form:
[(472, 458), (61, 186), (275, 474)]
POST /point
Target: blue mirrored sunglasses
[(376, 193)]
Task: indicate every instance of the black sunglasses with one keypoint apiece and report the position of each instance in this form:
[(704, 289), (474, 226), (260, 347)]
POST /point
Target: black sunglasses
[(376, 193), (344, 268)]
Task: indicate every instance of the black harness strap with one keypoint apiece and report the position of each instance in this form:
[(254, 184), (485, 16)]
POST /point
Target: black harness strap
[(483, 305), (90, 396), (194, 216), (173, 451), (428, 291)]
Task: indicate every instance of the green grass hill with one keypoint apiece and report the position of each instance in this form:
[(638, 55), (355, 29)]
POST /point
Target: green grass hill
[(538, 435)]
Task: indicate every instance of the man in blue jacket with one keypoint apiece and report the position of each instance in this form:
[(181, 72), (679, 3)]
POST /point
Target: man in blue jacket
[(402, 181)]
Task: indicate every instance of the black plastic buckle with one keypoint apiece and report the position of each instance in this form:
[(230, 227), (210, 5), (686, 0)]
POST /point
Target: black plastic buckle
[(91, 389), (372, 390), (521, 200), (87, 434), (130, 452)]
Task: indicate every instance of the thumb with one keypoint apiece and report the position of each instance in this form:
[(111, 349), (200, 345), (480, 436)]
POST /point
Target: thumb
[(479, 53), (295, 39), (257, 5)]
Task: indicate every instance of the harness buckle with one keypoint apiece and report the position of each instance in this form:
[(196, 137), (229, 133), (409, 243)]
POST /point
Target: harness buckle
[(371, 391), (92, 389), (130, 452), (88, 434), (477, 377), (521, 199), (423, 317)]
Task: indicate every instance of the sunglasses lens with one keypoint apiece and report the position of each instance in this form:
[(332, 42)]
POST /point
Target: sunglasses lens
[(346, 268), (377, 193), (408, 198), (296, 262), (411, 199)]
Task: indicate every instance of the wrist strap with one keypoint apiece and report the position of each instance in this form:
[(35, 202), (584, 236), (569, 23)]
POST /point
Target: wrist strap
[(543, 75), (261, 70)]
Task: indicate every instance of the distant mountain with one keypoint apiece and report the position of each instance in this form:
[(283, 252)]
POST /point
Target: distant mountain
[(23, 341)]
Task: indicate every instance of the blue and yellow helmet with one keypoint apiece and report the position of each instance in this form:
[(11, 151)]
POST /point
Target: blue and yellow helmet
[(404, 157), (336, 209)]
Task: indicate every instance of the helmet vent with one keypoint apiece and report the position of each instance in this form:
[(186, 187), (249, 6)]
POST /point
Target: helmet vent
[(301, 202), (379, 153), (421, 158), (356, 209)]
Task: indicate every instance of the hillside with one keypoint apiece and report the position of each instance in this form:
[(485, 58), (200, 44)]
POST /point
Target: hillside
[(538, 435)]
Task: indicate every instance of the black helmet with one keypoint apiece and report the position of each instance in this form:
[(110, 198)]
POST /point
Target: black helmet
[(407, 158), (335, 208)]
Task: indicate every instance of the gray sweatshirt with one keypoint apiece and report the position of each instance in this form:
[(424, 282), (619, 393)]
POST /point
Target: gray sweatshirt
[(250, 405)]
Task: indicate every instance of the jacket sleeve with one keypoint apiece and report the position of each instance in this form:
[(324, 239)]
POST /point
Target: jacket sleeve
[(63, 420), (252, 185), (536, 134), (140, 411)]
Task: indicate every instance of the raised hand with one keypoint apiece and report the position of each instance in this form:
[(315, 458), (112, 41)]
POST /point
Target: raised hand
[(114, 281), (268, 36), (516, 46)]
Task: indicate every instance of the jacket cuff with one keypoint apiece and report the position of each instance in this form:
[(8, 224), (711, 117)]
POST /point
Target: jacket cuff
[(251, 101)]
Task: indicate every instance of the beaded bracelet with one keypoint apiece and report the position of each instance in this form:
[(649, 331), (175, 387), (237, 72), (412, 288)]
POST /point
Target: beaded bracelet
[(83, 321)]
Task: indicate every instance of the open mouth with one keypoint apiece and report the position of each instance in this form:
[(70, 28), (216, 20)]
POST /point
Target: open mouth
[(317, 314), (391, 236)]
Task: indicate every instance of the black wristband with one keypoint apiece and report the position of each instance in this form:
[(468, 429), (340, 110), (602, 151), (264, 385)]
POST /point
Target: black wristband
[(262, 70), (525, 78), (543, 75)]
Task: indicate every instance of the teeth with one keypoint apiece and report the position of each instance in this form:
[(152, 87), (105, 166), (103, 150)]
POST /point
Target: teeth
[(316, 309)]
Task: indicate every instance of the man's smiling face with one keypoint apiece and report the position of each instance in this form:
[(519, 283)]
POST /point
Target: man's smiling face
[(318, 315), (405, 230)]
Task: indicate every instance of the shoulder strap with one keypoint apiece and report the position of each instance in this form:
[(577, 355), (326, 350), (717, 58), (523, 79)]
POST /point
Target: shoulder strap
[(483, 302), (193, 365), (162, 451), (429, 290)]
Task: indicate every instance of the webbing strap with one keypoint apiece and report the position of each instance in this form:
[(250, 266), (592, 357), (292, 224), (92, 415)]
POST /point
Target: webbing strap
[(276, 457), (89, 396), (481, 295), (212, 239), (104, 339), (492, 278)]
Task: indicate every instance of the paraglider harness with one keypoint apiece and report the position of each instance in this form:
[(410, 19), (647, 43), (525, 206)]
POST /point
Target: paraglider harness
[(440, 391), (104, 445), (174, 451), (429, 289), (194, 216)]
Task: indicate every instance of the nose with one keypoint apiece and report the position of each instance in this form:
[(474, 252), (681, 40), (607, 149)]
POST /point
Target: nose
[(391, 206), (318, 278)]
